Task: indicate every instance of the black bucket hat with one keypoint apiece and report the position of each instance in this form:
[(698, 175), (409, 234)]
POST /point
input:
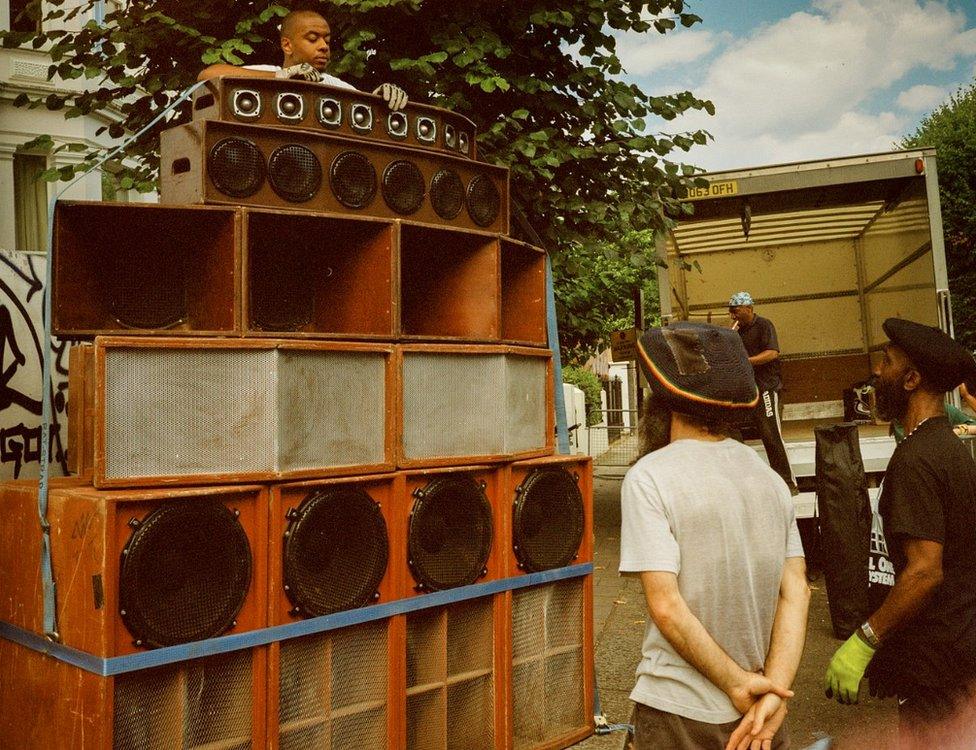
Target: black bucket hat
[(943, 362), (699, 369)]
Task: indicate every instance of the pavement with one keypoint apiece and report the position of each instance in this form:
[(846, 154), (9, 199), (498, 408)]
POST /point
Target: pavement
[(619, 618)]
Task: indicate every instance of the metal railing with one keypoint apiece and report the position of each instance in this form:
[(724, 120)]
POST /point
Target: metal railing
[(612, 442)]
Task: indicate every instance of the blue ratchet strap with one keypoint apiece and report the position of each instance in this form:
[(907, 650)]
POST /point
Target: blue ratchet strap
[(600, 719), (562, 432), (47, 572)]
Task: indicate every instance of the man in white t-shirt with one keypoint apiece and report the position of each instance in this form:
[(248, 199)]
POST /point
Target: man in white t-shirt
[(710, 530), (305, 39)]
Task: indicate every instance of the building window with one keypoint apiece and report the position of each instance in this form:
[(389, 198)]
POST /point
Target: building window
[(30, 203), (22, 19)]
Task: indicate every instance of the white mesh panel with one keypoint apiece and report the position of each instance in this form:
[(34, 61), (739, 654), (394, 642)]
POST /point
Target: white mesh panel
[(188, 411), (453, 404), (525, 386), (332, 407)]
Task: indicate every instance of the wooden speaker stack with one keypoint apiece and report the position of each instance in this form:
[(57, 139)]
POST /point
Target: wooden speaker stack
[(315, 500)]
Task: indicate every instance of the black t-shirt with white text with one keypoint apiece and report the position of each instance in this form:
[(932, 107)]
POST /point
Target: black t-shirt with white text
[(929, 493), (757, 337)]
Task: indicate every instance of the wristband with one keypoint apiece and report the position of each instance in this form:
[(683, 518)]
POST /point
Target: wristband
[(869, 635)]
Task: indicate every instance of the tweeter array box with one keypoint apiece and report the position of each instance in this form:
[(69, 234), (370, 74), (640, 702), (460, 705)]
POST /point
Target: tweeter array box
[(209, 161), (341, 111), (189, 411), (137, 569), (213, 702)]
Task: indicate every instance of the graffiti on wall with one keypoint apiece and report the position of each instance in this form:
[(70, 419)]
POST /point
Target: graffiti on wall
[(22, 278)]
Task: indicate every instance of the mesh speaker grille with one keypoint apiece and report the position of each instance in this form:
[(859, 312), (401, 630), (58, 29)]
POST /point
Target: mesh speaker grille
[(189, 704), (526, 380), (185, 573), (333, 689), (236, 167), (353, 179), (446, 194), (336, 551), (484, 201), (294, 172), (450, 677), (403, 187), (450, 532), (281, 283), (547, 662), (547, 523), (146, 290)]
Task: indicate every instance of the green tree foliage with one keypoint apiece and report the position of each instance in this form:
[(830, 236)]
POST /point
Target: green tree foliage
[(589, 383), (540, 78), (952, 130)]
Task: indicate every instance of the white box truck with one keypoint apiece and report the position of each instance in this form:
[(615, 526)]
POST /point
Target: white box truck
[(828, 249)]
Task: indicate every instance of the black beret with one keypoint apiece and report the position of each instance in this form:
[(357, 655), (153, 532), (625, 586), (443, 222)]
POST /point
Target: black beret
[(699, 369), (943, 362)]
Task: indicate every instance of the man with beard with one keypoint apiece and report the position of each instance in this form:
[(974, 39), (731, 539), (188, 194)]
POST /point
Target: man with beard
[(709, 528), (920, 645)]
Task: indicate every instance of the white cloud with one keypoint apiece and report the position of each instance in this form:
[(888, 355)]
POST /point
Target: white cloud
[(922, 98), (641, 54), (803, 87)]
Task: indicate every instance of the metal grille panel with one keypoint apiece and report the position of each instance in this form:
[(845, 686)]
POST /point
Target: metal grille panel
[(447, 194), (547, 662), (332, 408), (403, 187), (236, 167), (547, 522), (146, 289), (353, 179), (451, 405), (525, 398), (294, 172), (185, 705), (333, 689), (484, 201)]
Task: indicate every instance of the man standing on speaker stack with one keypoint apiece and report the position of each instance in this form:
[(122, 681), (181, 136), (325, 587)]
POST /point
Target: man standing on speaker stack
[(305, 39), (920, 645), (759, 336), (709, 527)]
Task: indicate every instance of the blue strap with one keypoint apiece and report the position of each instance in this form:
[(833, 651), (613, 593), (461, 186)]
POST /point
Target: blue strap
[(115, 665), (562, 432), (600, 718), (47, 573)]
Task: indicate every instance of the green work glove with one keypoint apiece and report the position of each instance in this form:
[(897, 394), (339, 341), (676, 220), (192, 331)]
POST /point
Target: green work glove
[(846, 669)]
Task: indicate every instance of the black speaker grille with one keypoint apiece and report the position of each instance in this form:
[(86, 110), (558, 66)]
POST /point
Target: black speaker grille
[(236, 167), (294, 173), (483, 200), (282, 279), (547, 521), (353, 179), (450, 533), (146, 289), (447, 194), (336, 551), (184, 574), (403, 187)]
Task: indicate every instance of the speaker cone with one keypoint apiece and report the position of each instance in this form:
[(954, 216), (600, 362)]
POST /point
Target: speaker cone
[(236, 167), (397, 125), (353, 179), (483, 201), (403, 187), (185, 573), (294, 172), (426, 129), (547, 520), (362, 117), (464, 144), (450, 532), (246, 104), (146, 290), (450, 137), (336, 551), (446, 194), (290, 107), (330, 111)]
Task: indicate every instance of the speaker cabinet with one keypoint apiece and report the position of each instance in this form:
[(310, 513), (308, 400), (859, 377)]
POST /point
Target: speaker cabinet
[(455, 686), (137, 569), (213, 702), (144, 268), (340, 690), (448, 284), (222, 162), (465, 404), (523, 293), (335, 545), (311, 275), (549, 507), (186, 411), (552, 664), (453, 523), (314, 106)]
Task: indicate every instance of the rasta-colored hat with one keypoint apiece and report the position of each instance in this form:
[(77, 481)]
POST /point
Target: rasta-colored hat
[(943, 362), (699, 369), (741, 299)]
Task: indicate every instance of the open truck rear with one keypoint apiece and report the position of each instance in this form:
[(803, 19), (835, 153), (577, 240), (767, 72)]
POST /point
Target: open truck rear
[(828, 249)]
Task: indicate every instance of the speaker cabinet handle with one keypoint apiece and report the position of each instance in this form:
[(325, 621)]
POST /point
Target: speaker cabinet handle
[(181, 165)]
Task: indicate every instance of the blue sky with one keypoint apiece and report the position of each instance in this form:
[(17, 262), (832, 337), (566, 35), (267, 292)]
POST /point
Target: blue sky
[(795, 79)]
